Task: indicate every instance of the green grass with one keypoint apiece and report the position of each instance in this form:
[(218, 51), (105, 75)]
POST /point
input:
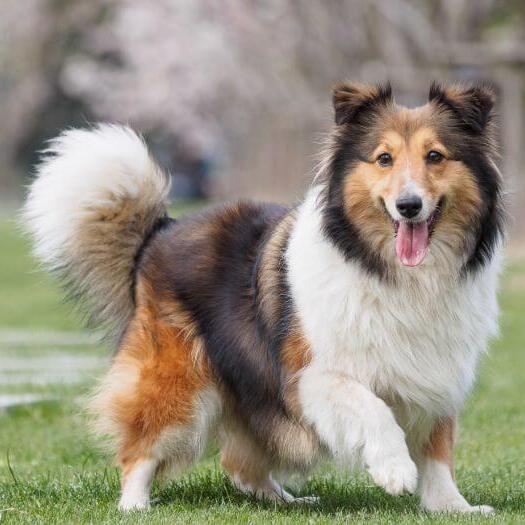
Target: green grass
[(27, 297), (52, 471)]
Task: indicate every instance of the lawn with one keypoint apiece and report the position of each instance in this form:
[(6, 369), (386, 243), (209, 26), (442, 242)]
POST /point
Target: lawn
[(52, 471)]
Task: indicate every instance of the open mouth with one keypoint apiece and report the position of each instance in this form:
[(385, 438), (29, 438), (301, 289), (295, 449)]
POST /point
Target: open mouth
[(413, 238)]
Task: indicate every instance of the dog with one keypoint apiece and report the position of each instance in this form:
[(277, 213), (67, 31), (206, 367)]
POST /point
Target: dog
[(349, 326)]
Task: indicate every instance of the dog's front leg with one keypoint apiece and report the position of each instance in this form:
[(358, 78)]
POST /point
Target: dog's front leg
[(351, 420), (438, 488)]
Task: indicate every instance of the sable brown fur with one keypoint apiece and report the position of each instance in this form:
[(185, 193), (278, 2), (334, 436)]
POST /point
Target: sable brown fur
[(440, 445), (170, 349), (153, 382)]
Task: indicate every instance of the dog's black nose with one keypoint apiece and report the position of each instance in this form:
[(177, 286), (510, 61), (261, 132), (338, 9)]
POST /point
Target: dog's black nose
[(409, 206)]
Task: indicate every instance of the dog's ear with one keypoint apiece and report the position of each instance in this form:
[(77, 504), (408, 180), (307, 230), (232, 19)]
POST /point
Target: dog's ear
[(472, 105), (350, 99)]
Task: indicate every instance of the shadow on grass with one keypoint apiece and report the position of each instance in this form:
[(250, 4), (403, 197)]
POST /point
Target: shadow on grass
[(213, 488), (210, 487)]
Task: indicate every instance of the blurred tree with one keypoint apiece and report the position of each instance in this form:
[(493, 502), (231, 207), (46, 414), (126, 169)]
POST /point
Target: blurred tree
[(36, 39), (241, 85)]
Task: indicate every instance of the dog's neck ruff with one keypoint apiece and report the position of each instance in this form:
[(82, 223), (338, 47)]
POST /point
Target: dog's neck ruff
[(417, 340)]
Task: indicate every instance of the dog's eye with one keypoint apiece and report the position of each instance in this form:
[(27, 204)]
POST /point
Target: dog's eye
[(434, 157), (385, 160)]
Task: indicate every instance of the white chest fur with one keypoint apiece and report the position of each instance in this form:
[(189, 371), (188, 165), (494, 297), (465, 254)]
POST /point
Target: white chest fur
[(417, 342)]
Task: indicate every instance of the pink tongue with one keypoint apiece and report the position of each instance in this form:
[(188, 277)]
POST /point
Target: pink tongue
[(412, 242)]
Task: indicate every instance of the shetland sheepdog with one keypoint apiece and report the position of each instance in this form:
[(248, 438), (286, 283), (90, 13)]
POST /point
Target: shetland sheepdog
[(349, 326)]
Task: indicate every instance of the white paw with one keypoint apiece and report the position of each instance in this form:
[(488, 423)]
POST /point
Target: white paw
[(128, 504), (466, 509), (484, 509), (457, 505), (395, 474)]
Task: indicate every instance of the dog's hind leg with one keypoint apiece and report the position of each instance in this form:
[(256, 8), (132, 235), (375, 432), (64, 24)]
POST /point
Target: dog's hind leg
[(158, 401), (176, 447), (250, 469), (137, 478)]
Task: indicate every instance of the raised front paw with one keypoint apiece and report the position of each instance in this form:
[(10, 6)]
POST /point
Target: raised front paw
[(396, 474)]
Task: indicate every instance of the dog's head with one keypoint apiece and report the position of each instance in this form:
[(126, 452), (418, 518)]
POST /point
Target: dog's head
[(404, 183)]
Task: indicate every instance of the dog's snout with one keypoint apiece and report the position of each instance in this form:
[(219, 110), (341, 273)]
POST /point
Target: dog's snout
[(409, 206)]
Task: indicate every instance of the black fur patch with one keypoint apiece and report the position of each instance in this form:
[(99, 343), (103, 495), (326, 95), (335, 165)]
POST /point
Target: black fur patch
[(352, 141), (350, 100), (161, 224), (208, 262), (489, 227), (467, 130), (472, 106), (338, 226)]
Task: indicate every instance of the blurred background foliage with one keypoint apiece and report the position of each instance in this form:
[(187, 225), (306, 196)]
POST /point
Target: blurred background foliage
[(234, 95)]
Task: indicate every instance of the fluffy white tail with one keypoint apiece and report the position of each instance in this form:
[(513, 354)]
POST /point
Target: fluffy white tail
[(96, 197)]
